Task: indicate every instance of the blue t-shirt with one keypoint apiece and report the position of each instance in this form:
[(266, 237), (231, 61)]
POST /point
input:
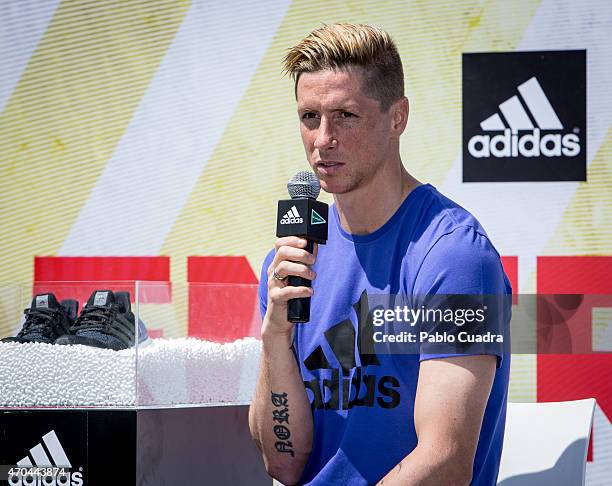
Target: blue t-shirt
[(363, 404)]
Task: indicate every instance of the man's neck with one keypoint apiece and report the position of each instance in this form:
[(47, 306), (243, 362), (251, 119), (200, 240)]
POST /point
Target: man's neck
[(367, 208)]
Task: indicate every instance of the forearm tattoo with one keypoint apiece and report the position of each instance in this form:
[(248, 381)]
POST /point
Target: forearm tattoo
[(281, 416)]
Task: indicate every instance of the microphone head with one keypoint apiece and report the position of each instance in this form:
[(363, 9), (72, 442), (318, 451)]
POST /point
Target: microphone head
[(304, 184)]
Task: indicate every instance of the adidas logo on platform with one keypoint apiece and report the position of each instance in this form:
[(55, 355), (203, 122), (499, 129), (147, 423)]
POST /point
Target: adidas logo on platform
[(533, 144), (292, 217), (39, 457)]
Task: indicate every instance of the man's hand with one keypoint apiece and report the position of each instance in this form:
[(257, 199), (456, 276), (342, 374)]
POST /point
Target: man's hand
[(452, 394), (290, 259)]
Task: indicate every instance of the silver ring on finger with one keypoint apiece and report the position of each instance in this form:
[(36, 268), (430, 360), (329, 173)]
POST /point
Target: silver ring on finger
[(276, 276)]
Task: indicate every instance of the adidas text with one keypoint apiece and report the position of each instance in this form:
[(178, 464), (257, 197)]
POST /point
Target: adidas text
[(70, 479), (527, 145), (362, 387), (286, 220)]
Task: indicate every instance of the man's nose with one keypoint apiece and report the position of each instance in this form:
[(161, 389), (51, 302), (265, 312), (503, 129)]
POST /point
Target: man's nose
[(325, 135)]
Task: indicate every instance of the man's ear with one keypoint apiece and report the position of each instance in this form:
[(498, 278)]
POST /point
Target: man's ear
[(400, 115)]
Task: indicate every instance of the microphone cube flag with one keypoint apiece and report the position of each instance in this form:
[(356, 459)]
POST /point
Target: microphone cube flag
[(302, 217)]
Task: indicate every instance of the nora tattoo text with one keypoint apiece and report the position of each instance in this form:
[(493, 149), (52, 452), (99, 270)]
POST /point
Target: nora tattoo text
[(281, 416)]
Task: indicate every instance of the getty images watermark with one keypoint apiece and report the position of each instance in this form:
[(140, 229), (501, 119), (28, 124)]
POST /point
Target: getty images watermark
[(440, 324), (490, 324), (416, 321)]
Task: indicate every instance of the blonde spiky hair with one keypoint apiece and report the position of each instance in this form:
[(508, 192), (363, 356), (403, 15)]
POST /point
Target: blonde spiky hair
[(338, 46)]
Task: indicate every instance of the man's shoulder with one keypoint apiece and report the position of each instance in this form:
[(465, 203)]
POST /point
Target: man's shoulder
[(440, 221), (440, 215), (453, 251)]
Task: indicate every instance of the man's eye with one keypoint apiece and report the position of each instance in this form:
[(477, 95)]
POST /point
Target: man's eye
[(308, 116), (347, 114)]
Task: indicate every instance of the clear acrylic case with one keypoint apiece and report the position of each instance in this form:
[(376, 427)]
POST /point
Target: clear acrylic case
[(201, 348)]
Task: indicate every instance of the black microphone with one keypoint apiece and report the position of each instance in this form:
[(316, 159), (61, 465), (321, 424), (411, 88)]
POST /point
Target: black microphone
[(302, 216)]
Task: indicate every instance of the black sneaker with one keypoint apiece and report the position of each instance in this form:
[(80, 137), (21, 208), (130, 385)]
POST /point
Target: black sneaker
[(46, 320), (106, 321)]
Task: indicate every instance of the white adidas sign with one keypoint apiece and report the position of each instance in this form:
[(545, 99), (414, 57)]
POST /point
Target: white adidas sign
[(510, 143), (292, 217), (38, 458)]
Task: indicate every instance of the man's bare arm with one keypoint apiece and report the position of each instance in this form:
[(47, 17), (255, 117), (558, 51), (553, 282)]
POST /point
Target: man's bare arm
[(280, 418), (452, 394)]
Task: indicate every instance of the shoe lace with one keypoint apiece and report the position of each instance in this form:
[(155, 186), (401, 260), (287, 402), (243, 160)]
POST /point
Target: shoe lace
[(39, 321), (95, 319)]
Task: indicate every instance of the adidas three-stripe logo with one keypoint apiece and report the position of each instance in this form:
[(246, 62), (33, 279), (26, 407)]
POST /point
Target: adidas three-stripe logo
[(292, 217), (516, 113), (46, 454), (516, 116), (40, 457)]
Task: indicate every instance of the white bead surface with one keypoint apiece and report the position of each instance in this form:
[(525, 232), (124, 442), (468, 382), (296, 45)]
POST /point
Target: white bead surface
[(166, 372)]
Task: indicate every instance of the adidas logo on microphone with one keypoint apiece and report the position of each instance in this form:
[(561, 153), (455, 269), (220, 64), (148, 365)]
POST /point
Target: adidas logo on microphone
[(292, 217)]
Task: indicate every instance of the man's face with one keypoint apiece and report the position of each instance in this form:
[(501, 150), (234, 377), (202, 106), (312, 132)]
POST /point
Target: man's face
[(346, 135)]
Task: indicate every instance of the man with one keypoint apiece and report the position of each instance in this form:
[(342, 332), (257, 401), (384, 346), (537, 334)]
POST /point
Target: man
[(325, 412)]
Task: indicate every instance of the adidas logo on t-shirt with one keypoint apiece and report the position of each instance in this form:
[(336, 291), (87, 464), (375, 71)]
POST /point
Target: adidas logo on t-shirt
[(345, 372), (292, 217)]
